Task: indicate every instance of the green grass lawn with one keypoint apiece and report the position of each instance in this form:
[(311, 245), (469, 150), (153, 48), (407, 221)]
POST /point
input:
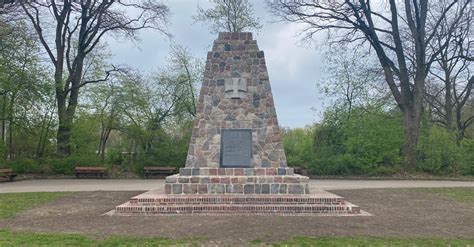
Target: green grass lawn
[(13, 203), (11, 238), (373, 242), (458, 194)]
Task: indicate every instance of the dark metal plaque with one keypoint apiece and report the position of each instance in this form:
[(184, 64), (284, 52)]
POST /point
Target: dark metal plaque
[(236, 147)]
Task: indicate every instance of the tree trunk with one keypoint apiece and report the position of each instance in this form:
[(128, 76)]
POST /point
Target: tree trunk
[(67, 111), (64, 132), (448, 97), (411, 124), (48, 126), (104, 143), (4, 127), (10, 128)]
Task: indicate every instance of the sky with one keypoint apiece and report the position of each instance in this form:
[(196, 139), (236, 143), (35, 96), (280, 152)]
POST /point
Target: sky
[(293, 68)]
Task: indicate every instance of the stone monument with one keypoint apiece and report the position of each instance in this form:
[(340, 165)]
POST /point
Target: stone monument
[(236, 161), (236, 144)]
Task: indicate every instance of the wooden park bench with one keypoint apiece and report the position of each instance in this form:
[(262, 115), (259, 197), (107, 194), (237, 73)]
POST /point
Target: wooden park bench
[(159, 170), (8, 174), (299, 170), (90, 170)]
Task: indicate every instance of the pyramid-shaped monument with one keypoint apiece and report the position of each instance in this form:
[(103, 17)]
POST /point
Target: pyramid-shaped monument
[(236, 162), (236, 123), (236, 131)]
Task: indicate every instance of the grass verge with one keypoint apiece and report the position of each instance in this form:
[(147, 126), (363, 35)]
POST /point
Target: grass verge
[(374, 242), (13, 203), (458, 194), (12, 238)]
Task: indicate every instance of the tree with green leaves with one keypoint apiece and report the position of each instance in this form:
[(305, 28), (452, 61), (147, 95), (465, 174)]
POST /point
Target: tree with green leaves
[(69, 31), (400, 36), (23, 87), (229, 16)]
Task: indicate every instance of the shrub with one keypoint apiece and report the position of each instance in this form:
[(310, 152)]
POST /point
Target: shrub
[(357, 143), (440, 154), (24, 166), (298, 145), (66, 165), (467, 157)]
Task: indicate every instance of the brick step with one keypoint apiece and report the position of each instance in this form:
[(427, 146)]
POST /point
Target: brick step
[(162, 199), (348, 208)]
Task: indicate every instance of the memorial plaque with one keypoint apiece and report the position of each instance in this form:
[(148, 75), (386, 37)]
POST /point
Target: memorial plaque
[(236, 148)]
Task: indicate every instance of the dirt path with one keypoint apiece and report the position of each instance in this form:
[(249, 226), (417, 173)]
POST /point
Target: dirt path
[(397, 213), (44, 185)]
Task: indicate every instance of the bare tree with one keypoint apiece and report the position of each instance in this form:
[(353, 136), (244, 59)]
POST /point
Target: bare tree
[(186, 70), (351, 83), (70, 30), (399, 35), (229, 15), (449, 86)]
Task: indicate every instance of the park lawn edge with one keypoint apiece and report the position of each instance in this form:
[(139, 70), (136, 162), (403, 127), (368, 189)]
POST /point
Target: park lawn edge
[(24, 238), (12, 204), (459, 194), (372, 241)]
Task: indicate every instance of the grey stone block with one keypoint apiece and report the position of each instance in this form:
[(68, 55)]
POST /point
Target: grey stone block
[(283, 189), (281, 171), (296, 189), (274, 188), (265, 189), (249, 189), (177, 188)]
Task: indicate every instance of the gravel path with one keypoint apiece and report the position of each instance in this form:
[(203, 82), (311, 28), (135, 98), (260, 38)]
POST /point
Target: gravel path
[(47, 185)]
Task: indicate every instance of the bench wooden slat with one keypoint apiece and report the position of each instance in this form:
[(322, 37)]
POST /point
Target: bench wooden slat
[(159, 170), (7, 173), (98, 170), (89, 168), (6, 170)]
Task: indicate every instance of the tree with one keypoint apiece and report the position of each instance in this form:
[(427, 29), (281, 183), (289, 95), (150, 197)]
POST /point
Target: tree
[(400, 37), (351, 83), (449, 86), (71, 30), (186, 72), (229, 15), (22, 85)]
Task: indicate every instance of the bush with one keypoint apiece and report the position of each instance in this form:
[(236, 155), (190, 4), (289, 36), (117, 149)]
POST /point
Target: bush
[(440, 154), (24, 166), (298, 145), (467, 150), (357, 143), (66, 165)]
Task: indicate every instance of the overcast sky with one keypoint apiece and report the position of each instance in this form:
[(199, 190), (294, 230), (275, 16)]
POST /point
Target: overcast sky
[(293, 69)]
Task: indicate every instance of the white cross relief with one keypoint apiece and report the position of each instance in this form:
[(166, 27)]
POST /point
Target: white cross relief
[(235, 88)]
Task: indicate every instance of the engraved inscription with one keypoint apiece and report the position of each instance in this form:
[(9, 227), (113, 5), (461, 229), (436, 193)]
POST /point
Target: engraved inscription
[(236, 148)]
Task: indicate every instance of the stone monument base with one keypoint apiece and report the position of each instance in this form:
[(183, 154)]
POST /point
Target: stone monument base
[(237, 191), (275, 181), (319, 202)]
